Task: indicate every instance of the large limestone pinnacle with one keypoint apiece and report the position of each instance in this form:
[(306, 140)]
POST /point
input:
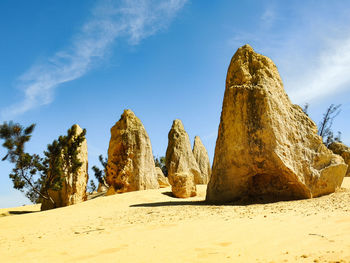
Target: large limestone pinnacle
[(202, 158), (267, 146), (183, 170), (130, 165)]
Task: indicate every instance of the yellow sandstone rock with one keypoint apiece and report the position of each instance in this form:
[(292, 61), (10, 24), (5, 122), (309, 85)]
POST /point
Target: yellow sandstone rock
[(130, 165), (342, 150), (162, 180), (101, 188), (183, 170), (267, 146), (202, 158)]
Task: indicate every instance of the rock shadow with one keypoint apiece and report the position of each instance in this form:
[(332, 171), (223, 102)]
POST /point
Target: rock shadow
[(170, 194), (171, 203), (21, 212), (241, 202), (97, 195)]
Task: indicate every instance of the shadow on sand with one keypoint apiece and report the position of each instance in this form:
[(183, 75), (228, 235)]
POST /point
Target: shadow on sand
[(174, 203), (243, 202), (170, 194), (21, 212)]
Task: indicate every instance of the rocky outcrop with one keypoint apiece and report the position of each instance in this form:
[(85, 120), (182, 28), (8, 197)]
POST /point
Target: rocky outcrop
[(130, 165), (183, 170), (342, 150), (202, 158), (182, 185), (162, 180), (73, 189), (101, 188), (267, 146)]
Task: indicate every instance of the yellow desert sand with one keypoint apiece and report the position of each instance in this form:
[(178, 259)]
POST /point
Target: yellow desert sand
[(152, 226)]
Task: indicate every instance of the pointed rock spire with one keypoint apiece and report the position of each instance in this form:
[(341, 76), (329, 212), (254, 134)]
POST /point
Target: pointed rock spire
[(202, 158), (130, 165), (267, 146), (183, 170)]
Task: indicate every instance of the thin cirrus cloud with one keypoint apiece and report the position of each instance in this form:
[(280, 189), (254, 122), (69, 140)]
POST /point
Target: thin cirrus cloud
[(315, 55), (268, 17), (312, 51), (330, 76), (130, 19)]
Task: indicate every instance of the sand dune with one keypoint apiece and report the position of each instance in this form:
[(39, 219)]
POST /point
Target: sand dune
[(151, 226)]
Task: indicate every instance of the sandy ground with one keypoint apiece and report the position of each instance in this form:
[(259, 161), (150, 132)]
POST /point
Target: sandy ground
[(151, 226)]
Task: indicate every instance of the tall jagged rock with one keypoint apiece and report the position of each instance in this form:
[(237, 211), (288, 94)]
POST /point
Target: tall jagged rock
[(73, 189), (267, 146), (183, 170), (130, 165), (342, 150), (202, 158)]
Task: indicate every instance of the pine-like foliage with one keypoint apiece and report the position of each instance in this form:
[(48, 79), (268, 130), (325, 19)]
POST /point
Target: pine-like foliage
[(100, 175), (92, 187), (61, 160), (306, 108), (35, 175), (325, 126), (26, 166), (160, 162)]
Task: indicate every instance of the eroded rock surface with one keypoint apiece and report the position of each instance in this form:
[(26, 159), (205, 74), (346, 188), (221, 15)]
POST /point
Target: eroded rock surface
[(267, 146), (342, 150), (202, 158), (74, 185), (182, 185), (101, 188), (183, 170), (162, 180), (130, 165)]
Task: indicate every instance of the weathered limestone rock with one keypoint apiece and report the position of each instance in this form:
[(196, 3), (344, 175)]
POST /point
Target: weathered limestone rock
[(74, 185), (183, 170), (182, 185), (342, 150), (162, 180), (202, 158), (101, 188), (130, 165), (267, 146)]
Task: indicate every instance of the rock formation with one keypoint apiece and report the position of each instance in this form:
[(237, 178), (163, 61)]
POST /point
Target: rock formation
[(102, 184), (182, 185), (74, 185), (130, 165), (183, 170), (162, 180), (342, 150), (267, 146), (202, 158), (101, 188)]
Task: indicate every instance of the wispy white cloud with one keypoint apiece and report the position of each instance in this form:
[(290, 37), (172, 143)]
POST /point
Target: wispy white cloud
[(111, 20), (310, 46), (329, 77), (268, 16), (210, 136)]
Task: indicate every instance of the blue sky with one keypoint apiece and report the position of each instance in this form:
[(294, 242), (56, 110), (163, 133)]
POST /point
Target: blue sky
[(65, 62)]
